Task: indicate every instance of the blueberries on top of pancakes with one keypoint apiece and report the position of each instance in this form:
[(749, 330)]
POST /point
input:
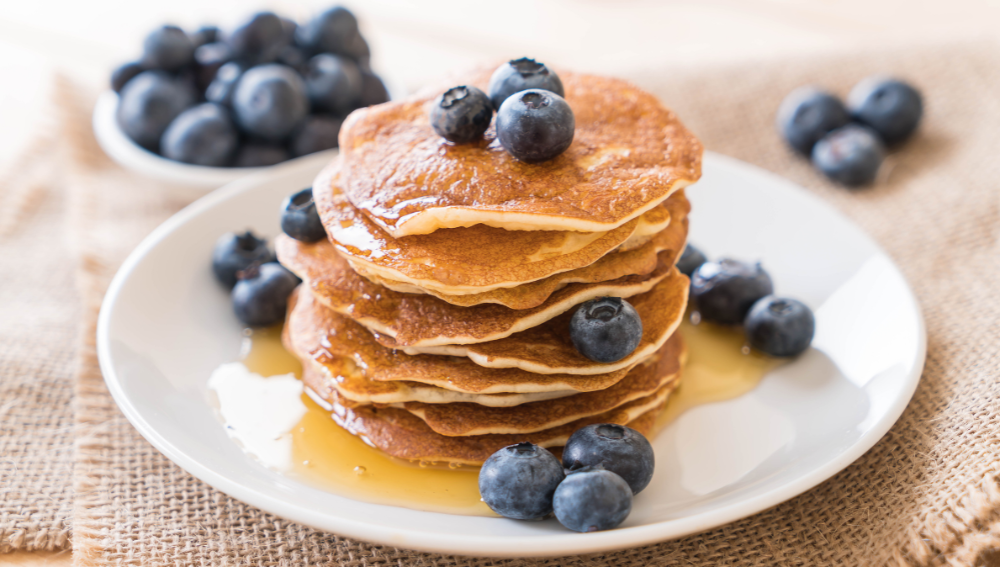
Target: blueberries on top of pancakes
[(534, 122)]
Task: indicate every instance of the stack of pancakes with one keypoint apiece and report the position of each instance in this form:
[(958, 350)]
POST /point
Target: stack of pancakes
[(434, 321)]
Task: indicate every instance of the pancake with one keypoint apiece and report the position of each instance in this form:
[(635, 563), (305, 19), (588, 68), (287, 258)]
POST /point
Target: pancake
[(344, 376), (642, 260), (460, 419), (629, 153), (461, 260), (337, 338), (403, 319), (546, 349), (403, 435), (354, 389)]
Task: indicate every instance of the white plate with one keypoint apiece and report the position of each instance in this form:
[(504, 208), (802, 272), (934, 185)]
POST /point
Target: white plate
[(165, 325), (134, 157)]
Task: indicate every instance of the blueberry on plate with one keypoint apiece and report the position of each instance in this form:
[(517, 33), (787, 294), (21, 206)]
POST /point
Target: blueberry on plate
[(520, 75), (167, 48), (270, 101), (807, 114), (260, 297), (373, 90), (299, 218), (592, 500), (779, 326), (258, 40), (334, 83), (518, 481), (223, 85), (891, 107), (260, 155), (606, 329), (204, 35), (234, 253), (149, 103), (125, 73), (332, 31), (201, 135), (850, 155), (208, 59), (690, 259), (616, 448), (462, 114), (535, 125), (724, 290), (317, 133)]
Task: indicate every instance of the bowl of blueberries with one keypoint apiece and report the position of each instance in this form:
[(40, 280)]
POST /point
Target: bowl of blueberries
[(203, 108)]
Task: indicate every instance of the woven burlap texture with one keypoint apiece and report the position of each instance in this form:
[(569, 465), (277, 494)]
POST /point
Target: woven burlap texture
[(927, 494), (38, 335)]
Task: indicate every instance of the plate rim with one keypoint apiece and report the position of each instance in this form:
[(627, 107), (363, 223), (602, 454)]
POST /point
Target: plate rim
[(492, 546)]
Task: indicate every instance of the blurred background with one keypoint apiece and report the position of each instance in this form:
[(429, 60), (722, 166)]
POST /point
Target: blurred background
[(412, 41)]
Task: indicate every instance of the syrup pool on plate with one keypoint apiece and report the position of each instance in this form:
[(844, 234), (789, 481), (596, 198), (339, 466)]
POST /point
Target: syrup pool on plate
[(328, 457), (324, 455)]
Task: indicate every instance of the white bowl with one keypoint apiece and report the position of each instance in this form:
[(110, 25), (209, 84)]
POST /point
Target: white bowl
[(716, 463), (134, 157)]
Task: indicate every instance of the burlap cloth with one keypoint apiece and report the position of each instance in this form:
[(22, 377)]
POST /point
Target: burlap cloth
[(928, 494)]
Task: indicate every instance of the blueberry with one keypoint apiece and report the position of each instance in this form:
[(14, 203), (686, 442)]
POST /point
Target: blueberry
[(260, 155), (373, 90), (779, 326), (690, 259), (205, 35), (535, 125), (724, 290), (294, 57), (519, 75), (208, 59), (606, 329), (260, 298), (234, 253), (329, 32), (807, 114), (317, 133), (288, 29), (891, 107), (125, 73), (270, 101), (357, 49), (201, 135), (149, 103), (518, 481), (258, 40), (223, 85), (462, 114), (333, 83), (850, 155), (616, 448), (299, 218), (167, 48), (592, 500)]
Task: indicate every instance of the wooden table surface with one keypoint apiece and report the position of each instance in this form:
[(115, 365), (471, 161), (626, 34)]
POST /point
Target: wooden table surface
[(414, 40)]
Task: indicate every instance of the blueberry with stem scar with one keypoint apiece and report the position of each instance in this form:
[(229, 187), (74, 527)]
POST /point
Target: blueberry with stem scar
[(461, 114), (606, 329)]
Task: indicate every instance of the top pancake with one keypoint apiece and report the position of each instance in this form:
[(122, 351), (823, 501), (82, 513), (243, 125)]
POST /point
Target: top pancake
[(629, 153)]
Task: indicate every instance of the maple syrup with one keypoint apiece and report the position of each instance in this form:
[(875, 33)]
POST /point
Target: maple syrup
[(719, 367), (326, 456)]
